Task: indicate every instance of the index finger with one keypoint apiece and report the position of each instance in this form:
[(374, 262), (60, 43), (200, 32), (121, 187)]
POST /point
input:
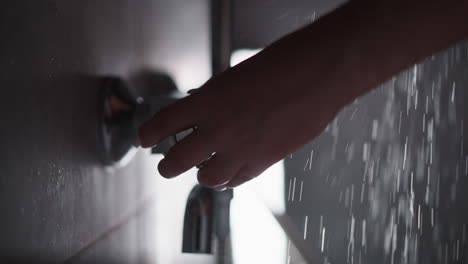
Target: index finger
[(169, 121)]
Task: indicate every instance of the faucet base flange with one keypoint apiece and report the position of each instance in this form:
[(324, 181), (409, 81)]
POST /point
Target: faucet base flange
[(115, 131)]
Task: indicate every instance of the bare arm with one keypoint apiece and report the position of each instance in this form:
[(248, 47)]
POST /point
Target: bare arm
[(256, 113), (368, 41)]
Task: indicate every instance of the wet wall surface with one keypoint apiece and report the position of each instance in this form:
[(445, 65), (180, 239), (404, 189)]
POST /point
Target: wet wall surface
[(56, 198), (386, 182)]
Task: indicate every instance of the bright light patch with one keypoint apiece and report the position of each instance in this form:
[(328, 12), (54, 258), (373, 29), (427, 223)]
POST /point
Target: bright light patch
[(256, 234), (241, 55), (270, 188)]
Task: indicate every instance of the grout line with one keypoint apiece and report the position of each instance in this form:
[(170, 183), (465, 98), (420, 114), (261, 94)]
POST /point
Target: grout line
[(145, 204)]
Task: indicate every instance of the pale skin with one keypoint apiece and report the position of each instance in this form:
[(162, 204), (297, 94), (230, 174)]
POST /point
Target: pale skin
[(267, 107)]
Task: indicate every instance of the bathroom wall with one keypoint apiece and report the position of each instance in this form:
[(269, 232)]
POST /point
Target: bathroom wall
[(57, 201)]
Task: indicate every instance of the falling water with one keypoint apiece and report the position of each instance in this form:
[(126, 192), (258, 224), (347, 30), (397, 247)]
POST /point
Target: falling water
[(386, 182)]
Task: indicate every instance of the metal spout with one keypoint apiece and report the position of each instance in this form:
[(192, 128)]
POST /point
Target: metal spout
[(198, 221)]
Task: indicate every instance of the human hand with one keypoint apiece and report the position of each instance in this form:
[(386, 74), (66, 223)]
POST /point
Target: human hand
[(250, 116), (258, 112)]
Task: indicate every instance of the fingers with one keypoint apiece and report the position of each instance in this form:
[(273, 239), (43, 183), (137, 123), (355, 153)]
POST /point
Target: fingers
[(218, 171), (245, 174), (187, 153), (169, 121)]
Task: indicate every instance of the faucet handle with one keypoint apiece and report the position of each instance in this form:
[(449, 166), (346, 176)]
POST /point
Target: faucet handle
[(157, 103), (164, 146), (117, 135)]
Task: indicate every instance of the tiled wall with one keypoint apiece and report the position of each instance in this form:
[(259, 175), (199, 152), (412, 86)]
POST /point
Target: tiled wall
[(57, 202)]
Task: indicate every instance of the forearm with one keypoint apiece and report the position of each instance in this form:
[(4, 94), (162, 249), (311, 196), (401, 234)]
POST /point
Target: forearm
[(366, 42), (399, 34)]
